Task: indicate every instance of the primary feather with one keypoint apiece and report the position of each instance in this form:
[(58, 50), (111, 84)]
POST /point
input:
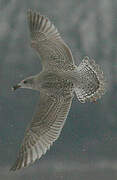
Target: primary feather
[(48, 43)]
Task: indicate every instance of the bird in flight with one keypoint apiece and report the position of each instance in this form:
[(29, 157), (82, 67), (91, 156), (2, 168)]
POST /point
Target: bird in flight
[(58, 81)]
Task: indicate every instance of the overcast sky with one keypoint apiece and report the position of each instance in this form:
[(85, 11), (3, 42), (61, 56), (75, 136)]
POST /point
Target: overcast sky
[(87, 147)]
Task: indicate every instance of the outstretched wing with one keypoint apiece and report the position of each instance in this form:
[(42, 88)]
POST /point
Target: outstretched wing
[(46, 40), (91, 83), (44, 129)]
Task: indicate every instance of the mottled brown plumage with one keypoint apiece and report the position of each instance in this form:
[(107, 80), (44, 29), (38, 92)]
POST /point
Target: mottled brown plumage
[(59, 80)]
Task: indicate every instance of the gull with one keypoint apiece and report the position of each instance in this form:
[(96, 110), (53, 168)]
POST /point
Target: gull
[(57, 83)]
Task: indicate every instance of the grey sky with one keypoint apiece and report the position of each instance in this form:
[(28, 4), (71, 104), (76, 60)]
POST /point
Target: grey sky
[(88, 140)]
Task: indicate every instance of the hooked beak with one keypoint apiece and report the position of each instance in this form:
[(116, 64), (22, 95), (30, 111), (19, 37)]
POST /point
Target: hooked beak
[(16, 87)]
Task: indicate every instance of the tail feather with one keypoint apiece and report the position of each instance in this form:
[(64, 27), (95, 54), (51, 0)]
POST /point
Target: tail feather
[(91, 84)]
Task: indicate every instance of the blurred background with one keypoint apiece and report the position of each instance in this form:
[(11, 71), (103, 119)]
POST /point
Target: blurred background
[(87, 147)]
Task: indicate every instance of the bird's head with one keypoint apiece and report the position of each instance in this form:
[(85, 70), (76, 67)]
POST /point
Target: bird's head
[(28, 83)]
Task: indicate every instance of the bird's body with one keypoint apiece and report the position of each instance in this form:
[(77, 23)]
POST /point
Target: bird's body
[(59, 80)]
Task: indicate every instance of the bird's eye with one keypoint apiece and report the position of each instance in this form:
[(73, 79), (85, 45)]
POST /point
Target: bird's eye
[(25, 82)]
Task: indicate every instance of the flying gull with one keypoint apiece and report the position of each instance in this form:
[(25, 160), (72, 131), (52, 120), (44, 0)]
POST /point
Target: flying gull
[(58, 81)]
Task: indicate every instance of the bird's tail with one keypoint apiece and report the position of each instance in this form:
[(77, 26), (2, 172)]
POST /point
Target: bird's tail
[(91, 83)]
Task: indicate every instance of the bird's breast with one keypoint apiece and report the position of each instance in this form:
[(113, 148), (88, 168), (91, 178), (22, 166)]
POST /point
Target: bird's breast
[(54, 84)]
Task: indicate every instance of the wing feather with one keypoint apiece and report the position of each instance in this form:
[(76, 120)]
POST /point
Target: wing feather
[(44, 129), (46, 40)]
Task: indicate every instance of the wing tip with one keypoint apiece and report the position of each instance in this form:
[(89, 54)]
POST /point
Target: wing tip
[(40, 26), (29, 12), (18, 165), (32, 12), (15, 165)]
